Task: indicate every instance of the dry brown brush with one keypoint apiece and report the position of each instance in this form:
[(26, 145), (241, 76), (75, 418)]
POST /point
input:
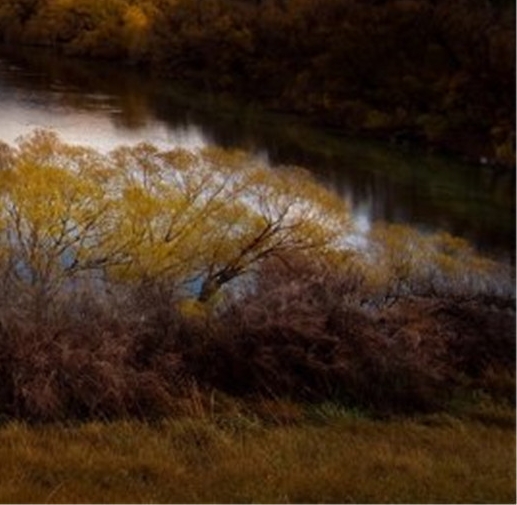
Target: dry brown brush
[(302, 331), (314, 335), (311, 333), (87, 360)]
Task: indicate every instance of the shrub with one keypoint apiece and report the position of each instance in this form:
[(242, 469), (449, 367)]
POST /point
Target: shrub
[(87, 360)]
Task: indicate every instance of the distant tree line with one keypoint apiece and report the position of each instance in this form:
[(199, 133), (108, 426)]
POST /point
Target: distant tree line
[(441, 72)]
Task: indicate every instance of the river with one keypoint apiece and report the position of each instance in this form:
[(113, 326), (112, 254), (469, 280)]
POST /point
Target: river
[(105, 105)]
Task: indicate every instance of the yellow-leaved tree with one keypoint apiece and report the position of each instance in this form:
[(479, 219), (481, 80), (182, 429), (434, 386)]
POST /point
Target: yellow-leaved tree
[(400, 261), (53, 214), (213, 215), (197, 219), (72, 219)]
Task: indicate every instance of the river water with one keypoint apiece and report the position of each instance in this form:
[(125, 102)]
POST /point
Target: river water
[(104, 105)]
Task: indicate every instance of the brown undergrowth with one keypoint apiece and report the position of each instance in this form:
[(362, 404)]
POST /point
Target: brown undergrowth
[(301, 332)]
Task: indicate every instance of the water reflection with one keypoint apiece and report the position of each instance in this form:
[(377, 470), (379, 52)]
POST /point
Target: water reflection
[(84, 106), (102, 105)]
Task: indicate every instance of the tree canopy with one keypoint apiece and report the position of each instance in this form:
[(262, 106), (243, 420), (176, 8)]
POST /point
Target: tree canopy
[(71, 216), (139, 213)]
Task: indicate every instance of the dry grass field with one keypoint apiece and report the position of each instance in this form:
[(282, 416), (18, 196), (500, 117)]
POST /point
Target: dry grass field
[(302, 455)]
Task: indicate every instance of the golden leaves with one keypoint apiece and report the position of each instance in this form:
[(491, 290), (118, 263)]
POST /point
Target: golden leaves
[(206, 217), (139, 212)]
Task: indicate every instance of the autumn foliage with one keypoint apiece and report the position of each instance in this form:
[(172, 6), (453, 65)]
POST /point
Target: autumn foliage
[(130, 278), (72, 216), (439, 72)]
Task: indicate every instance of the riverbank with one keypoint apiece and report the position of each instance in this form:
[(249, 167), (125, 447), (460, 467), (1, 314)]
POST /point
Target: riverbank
[(279, 453), (438, 74)]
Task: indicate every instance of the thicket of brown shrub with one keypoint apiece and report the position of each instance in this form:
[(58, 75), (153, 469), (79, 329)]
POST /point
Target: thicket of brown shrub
[(317, 334), (302, 332), (86, 359)]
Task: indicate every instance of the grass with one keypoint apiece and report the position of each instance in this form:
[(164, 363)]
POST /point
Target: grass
[(311, 455)]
